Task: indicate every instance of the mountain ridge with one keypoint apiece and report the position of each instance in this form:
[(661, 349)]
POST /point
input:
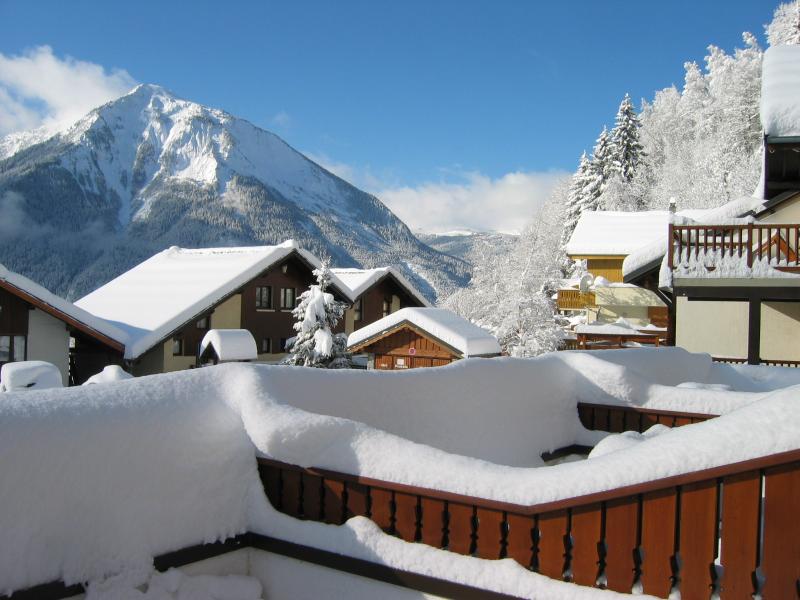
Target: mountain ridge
[(150, 170)]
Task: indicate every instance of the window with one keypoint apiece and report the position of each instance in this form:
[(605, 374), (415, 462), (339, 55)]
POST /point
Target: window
[(357, 310), (287, 297), (12, 348), (266, 346), (177, 346), (264, 296), (387, 307), (283, 344), (202, 323)]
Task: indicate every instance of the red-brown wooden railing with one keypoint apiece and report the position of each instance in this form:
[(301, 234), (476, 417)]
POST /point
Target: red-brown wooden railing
[(616, 419), (764, 361), (730, 530), (776, 244)]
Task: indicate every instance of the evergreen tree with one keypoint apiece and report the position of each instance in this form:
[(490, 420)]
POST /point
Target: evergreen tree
[(574, 204), (785, 26), (317, 314), (626, 152), (600, 173)]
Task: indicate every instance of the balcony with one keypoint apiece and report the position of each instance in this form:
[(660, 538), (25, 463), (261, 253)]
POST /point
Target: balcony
[(572, 299), (741, 250)]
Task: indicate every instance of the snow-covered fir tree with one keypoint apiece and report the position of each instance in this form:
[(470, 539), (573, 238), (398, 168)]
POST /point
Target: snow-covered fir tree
[(626, 151), (600, 172), (510, 294), (785, 26), (317, 314), (574, 203)]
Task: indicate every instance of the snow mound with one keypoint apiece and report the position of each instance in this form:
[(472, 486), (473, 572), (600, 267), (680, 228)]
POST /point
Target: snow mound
[(230, 344), (109, 374), (176, 585), (780, 88), (29, 375)]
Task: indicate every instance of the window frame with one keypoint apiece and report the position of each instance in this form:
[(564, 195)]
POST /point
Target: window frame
[(266, 346), (387, 306), (285, 304), (261, 302), (13, 339), (177, 342), (203, 322), (358, 310)]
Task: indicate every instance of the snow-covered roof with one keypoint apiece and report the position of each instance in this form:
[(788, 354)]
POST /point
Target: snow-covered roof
[(440, 323), (780, 91), (159, 295), (59, 307), (230, 344), (359, 281), (616, 233)]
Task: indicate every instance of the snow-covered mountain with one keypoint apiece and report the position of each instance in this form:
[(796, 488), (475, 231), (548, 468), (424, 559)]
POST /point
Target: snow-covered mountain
[(468, 245), (150, 170)]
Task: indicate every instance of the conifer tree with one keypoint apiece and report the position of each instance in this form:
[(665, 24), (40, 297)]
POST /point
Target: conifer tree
[(317, 314), (626, 152), (574, 205), (599, 174)]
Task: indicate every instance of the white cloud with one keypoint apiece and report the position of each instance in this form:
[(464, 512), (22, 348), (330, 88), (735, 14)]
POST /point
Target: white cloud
[(39, 89), (281, 119), (478, 202)]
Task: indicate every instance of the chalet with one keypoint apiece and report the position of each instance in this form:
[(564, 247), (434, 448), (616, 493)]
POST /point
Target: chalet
[(737, 281), (167, 304), (35, 324), (376, 293), (421, 337)]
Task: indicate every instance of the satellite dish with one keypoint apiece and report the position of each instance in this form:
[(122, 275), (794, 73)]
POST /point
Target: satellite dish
[(586, 282)]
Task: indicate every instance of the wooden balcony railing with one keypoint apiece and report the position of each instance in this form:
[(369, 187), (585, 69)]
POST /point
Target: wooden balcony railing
[(729, 530), (569, 299), (777, 245)]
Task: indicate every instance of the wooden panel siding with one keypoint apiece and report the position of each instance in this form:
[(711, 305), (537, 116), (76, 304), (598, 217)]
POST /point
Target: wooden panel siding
[(13, 314), (616, 419), (372, 300), (641, 535), (408, 348)]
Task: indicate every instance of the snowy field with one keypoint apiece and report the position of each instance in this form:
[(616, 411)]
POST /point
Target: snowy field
[(99, 479)]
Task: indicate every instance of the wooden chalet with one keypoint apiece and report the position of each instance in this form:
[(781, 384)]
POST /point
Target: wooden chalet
[(376, 293), (35, 324), (421, 337), (167, 304)]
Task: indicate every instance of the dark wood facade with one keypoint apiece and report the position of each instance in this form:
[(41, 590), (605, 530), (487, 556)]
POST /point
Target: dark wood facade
[(407, 347), (781, 165), (13, 327), (375, 300), (271, 320)]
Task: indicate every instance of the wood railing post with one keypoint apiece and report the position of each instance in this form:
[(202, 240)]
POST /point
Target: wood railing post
[(671, 246), (749, 245)]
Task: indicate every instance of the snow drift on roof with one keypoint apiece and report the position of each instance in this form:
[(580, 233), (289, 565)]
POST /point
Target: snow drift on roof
[(169, 289), (62, 306), (615, 232), (359, 281), (230, 344), (443, 324), (780, 91)]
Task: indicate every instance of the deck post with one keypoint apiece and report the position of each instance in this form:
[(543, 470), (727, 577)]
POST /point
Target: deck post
[(754, 332)]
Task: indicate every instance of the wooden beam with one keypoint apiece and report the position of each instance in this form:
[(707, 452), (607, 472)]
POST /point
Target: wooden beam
[(754, 332)]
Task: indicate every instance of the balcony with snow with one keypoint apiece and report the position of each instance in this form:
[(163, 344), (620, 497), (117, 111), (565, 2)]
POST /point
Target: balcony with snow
[(467, 481)]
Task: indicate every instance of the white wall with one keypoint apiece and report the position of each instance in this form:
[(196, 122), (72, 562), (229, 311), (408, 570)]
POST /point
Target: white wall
[(716, 327), (48, 340), (780, 330)]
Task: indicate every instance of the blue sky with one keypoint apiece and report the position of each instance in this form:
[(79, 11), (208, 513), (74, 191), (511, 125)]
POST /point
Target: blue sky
[(403, 95)]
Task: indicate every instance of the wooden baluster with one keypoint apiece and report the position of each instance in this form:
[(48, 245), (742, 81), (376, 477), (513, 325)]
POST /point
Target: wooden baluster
[(433, 528), (381, 511), (292, 493), (551, 548), (760, 253), (312, 497), (698, 538), (769, 245), (671, 246), (491, 529), (520, 538), (621, 535), (616, 420), (781, 564), (658, 541), (586, 525), (750, 245), (357, 500), (460, 527), (585, 415), (633, 421), (333, 501), (405, 516), (647, 421), (740, 515), (271, 480)]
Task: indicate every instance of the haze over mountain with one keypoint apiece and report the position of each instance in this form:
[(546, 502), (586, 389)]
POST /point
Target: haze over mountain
[(149, 170)]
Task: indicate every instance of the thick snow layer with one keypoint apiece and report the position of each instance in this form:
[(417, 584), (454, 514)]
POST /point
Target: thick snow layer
[(29, 375), (615, 232), (230, 344), (109, 374), (442, 324), (99, 479), (359, 281), (174, 584), (691, 265), (176, 285), (59, 306), (619, 327), (780, 89)]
